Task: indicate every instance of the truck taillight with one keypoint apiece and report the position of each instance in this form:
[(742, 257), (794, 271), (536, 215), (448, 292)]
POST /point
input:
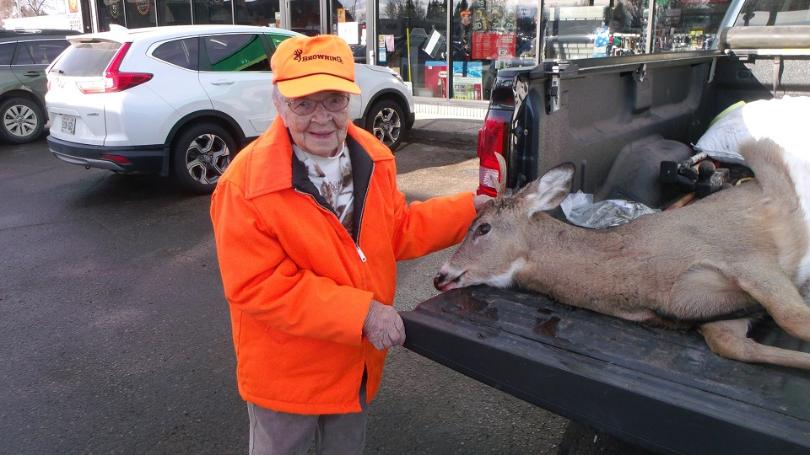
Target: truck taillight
[(491, 140), (115, 80)]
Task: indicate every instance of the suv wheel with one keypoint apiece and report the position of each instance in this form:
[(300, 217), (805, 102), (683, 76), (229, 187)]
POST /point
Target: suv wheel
[(201, 154), (21, 120), (385, 119)]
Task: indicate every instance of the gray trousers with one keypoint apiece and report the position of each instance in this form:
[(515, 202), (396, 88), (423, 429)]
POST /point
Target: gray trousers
[(281, 433)]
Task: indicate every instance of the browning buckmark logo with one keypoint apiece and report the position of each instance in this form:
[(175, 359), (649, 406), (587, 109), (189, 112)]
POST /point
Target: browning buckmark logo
[(299, 56)]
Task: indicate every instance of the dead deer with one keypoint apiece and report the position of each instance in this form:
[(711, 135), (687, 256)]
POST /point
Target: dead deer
[(708, 265)]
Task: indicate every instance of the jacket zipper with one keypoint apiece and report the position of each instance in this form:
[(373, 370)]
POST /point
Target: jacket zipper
[(360, 253), (330, 212), (363, 212)]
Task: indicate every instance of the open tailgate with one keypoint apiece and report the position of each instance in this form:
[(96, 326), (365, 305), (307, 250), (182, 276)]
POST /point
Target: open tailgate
[(661, 389)]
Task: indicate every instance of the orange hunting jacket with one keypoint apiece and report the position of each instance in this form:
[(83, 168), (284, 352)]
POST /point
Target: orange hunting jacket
[(299, 284)]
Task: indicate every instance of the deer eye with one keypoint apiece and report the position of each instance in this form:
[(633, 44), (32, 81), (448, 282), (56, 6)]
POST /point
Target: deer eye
[(482, 229)]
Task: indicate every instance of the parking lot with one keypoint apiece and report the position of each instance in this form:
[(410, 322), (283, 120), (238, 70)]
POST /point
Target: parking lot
[(115, 335)]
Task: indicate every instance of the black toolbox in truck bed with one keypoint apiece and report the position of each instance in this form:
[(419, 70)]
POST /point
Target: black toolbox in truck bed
[(660, 389)]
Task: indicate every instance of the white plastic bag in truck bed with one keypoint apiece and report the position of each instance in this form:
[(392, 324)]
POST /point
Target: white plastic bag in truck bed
[(784, 120)]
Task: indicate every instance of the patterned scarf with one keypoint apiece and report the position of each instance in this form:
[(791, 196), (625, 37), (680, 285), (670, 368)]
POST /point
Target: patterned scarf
[(332, 176)]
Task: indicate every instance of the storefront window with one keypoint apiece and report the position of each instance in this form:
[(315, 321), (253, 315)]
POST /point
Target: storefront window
[(686, 25), (412, 41), (110, 12), (349, 22), (603, 29), (212, 12), (174, 12), (489, 35), (305, 16), (140, 13), (258, 12)]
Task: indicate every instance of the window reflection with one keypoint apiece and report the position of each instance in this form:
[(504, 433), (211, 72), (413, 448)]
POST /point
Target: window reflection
[(174, 12), (411, 40), (305, 17), (575, 29), (140, 13), (183, 53), (485, 35), (212, 12), (488, 36), (775, 12), (110, 12), (257, 12), (349, 22), (687, 25), (603, 28), (236, 53)]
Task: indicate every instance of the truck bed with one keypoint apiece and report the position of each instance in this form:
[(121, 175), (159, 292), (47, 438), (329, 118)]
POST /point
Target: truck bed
[(663, 390)]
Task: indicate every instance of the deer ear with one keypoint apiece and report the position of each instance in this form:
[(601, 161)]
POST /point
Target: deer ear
[(549, 190)]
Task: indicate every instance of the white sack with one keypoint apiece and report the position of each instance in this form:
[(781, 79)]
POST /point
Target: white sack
[(786, 121)]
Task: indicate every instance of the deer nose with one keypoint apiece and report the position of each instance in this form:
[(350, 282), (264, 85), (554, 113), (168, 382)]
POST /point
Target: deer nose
[(440, 278)]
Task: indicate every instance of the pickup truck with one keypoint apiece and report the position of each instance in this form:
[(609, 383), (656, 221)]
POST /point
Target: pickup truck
[(612, 114)]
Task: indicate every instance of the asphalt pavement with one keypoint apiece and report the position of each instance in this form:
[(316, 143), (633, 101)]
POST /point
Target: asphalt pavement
[(115, 336), (446, 132)]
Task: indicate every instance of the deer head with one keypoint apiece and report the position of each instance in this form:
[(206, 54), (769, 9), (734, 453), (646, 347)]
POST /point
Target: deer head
[(496, 247)]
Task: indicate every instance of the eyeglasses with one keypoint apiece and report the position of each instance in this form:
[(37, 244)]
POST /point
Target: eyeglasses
[(332, 103)]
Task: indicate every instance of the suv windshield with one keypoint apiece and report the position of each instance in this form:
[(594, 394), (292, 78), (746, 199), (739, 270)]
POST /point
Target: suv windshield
[(774, 12), (83, 59)]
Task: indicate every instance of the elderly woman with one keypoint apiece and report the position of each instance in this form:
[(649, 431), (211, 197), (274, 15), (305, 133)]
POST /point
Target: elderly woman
[(309, 224)]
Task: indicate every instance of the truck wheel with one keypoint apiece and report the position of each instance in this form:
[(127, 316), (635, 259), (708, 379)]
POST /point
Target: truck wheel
[(21, 120), (385, 121), (201, 154)]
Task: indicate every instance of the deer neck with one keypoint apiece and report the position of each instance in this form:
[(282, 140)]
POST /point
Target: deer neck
[(566, 258)]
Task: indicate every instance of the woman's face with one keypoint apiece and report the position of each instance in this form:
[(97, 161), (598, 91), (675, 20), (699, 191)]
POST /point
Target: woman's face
[(321, 132)]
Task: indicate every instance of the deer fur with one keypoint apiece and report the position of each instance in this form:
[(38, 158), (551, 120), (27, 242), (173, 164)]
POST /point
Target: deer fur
[(733, 253)]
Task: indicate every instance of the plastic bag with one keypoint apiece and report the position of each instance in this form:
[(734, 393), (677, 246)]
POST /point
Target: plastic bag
[(782, 120), (580, 210)]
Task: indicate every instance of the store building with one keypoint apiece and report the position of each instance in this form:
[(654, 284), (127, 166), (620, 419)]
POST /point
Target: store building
[(449, 49), (409, 36)]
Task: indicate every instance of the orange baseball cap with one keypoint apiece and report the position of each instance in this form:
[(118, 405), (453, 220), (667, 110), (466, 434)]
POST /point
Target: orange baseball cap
[(305, 65)]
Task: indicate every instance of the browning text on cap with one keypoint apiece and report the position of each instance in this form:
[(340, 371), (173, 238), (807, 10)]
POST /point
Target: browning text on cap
[(305, 65)]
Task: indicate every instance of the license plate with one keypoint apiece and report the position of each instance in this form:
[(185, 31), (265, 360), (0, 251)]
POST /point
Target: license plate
[(68, 124)]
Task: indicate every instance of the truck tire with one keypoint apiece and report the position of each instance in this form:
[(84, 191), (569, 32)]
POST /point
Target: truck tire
[(21, 120), (201, 154), (386, 121)]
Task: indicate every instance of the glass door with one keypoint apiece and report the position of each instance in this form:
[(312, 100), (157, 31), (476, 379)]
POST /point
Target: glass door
[(348, 20), (488, 36), (412, 40)]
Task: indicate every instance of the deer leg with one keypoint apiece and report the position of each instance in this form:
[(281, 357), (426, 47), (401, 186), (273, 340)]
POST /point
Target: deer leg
[(779, 296), (729, 339)]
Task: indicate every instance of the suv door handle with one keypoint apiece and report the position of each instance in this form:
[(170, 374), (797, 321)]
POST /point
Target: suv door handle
[(222, 83), (32, 73)]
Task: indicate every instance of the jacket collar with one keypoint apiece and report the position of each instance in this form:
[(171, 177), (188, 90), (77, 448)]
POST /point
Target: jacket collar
[(270, 158)]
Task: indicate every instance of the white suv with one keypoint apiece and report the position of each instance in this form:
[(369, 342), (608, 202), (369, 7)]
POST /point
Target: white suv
[(181, 100)]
